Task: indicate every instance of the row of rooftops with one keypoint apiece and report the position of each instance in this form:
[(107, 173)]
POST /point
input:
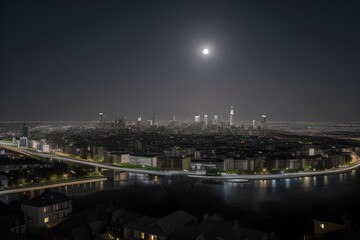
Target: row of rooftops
[(157, 143), (178, 225)]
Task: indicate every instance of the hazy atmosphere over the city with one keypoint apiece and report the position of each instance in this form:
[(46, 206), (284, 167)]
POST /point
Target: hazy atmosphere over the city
[(179, 120), (69, 60)]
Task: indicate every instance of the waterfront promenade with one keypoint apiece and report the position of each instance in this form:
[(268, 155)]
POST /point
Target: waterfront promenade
[(195, 175), (48, 185)]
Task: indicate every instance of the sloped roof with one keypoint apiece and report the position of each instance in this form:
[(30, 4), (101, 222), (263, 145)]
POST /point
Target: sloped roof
[(171, 222), (140, 223), (163, 226), (214, 229), (47, 198), (122, 216), (78, 224)]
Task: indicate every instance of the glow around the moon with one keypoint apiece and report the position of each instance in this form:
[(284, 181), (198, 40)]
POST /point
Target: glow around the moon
[(206, 51)]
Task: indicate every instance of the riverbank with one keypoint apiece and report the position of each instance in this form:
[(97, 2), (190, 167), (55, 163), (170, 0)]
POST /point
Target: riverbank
[(277, 176), (42, 186), (189, 174)]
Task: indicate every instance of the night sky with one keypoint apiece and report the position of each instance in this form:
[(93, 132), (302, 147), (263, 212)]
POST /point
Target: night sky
[(290, 60)]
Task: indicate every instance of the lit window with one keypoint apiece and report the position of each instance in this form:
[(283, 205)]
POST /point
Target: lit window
[(153, 237), (322, 226), (55, 207), (46, 220), (44, 209), (142, 235)]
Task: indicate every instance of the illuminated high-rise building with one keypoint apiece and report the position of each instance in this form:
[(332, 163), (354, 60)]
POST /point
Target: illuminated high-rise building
[(216, 120), (101, 117), (197, 118), (206, 120), (232, 116), (253, 124), (263, 121)]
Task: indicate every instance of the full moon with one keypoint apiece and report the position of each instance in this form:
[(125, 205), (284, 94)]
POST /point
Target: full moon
[(206, 51)]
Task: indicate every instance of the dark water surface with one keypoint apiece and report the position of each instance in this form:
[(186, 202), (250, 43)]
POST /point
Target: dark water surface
[(299, 193)]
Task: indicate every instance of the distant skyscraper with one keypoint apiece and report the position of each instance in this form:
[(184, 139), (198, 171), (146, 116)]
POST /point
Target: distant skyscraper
[(232, 116), (101, 117), (254, 124), (197, 118), (174, 118), (206, 120), (24, 130), (264, 121), (216, 120)]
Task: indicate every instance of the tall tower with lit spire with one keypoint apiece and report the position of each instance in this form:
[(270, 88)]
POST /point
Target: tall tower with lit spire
[(232, 116)]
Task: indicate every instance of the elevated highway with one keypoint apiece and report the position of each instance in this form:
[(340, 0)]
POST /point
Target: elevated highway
[(87, 162), (117, 169)]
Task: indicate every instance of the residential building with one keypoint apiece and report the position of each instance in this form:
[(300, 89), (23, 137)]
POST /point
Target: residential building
[(143, 159), (23, 142), (46, 210), (158, 229), (173, 163)]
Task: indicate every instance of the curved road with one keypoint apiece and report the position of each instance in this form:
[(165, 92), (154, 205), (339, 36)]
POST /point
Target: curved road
[(175, 173)]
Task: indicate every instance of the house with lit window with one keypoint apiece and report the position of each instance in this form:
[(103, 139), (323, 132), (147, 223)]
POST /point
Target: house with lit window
[(331, 224), (46, 210), (119, 218), (157, 229)]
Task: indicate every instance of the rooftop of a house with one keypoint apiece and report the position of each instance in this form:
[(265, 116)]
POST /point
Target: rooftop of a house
[(140, 223), (214, 228), (162, 226), (122, 216), (47, 198)]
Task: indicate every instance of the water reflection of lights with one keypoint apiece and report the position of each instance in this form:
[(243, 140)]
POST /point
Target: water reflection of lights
[(307, 182), (263, 183), (326, 180), (273, 183), (287, 183)]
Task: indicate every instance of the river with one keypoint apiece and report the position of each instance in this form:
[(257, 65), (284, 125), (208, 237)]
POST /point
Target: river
[(254, 194)]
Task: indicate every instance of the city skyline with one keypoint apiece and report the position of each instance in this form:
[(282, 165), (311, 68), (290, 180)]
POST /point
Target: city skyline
[(294, 61), (183, 119)]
